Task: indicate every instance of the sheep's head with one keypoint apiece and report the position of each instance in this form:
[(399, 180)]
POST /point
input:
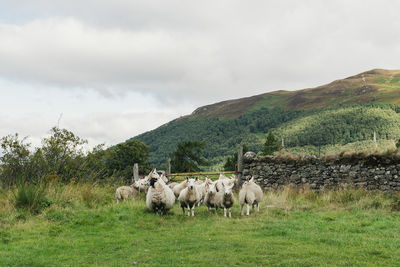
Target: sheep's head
[(212, 189), (141, 184), (248, 181), (153, 181), (191, 183), (164, 178), (227, 189), (154, 174)]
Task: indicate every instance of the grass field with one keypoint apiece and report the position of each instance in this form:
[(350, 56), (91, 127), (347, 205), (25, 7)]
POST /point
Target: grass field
[(83, 226)]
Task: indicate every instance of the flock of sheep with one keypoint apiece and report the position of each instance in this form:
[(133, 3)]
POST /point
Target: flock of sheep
[(192, 192)]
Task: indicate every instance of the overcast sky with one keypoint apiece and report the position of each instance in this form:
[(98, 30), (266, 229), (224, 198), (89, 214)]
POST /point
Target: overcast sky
[(115, 69)]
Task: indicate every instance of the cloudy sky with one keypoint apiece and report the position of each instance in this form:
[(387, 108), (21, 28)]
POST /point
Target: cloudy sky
[(109, 70)]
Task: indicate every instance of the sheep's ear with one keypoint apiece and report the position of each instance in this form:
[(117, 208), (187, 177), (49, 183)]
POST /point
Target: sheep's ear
[(197, 178), (252, 179), (187, 178)]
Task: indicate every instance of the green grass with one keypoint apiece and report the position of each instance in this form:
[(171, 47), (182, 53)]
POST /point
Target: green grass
[(395, 80), (380, 79), (347, 227)]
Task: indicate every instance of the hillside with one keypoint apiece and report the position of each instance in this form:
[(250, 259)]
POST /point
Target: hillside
[(343, 111)]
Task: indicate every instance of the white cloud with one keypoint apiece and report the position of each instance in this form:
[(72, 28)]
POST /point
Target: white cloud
[(175, 55)]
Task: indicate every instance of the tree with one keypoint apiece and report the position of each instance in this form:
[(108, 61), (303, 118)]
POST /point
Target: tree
[(271, 144), (232, 160), (14, 159), (188, 157), (121, 158), (63, 153)]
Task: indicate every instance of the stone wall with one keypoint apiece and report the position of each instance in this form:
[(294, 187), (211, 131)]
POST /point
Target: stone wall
[(371, 172)]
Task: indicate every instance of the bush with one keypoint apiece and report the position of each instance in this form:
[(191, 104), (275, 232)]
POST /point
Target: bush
[(30, 197)]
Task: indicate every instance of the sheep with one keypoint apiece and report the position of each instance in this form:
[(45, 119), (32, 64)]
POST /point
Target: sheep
[(123, 192), (179, 187), (189, 196), (202, 190), (213, 197), (164, 178), (251, 194), (225, 180), (142, 184), (227, 199), (172, 185), (159, 197), (198, 181)]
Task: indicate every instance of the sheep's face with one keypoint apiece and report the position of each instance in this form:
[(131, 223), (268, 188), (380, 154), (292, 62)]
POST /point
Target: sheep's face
[(212, 189), (154, 174), (141, 184), (227, 189), (191, 183), (153, 181)]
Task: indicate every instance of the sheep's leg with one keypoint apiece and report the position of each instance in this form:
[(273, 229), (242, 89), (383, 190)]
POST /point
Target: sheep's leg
[(183, 211), (230, 214), (209, 209), (188, 208), (193, 210), (258, 207), (224, 212), (241, 209), (248, 210), (252, 206), (216, 210)]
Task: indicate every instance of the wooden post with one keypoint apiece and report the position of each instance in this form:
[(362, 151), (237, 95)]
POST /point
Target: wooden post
[(168, 166), (240, 164), (135, 171)]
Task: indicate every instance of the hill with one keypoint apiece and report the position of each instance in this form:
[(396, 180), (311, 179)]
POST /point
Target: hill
[(343, 111)]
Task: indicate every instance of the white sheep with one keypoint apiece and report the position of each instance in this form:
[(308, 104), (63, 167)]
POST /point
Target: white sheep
[(189, 196), (213, 197), (142, 185), (164, 178), (123, 192), (172, 185), (203, 190), (179, 187), (225, 180), (251, 194), (160, 197), (227, 198)]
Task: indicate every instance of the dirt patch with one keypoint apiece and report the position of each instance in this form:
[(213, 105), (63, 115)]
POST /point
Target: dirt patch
[(366, 89)]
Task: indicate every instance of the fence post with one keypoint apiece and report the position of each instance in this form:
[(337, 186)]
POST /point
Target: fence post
[(240, 164), (168, 166), (136, 171)]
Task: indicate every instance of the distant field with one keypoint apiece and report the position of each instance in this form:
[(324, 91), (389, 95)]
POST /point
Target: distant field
[(84, 227)]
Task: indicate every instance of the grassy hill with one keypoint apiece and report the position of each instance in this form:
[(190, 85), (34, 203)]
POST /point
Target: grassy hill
[(341, 112)]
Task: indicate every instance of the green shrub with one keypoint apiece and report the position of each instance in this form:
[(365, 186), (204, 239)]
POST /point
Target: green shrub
[(395, 80), (30, 197), (379, 80)]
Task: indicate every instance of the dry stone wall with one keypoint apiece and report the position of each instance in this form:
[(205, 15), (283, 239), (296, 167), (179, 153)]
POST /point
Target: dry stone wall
[(371, 172)]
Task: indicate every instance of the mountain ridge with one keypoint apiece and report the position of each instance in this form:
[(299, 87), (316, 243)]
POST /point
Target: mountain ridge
[(307, 98), (343, 111)]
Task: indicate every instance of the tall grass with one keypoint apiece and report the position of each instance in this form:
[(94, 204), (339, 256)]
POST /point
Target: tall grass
[(31, 197)]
